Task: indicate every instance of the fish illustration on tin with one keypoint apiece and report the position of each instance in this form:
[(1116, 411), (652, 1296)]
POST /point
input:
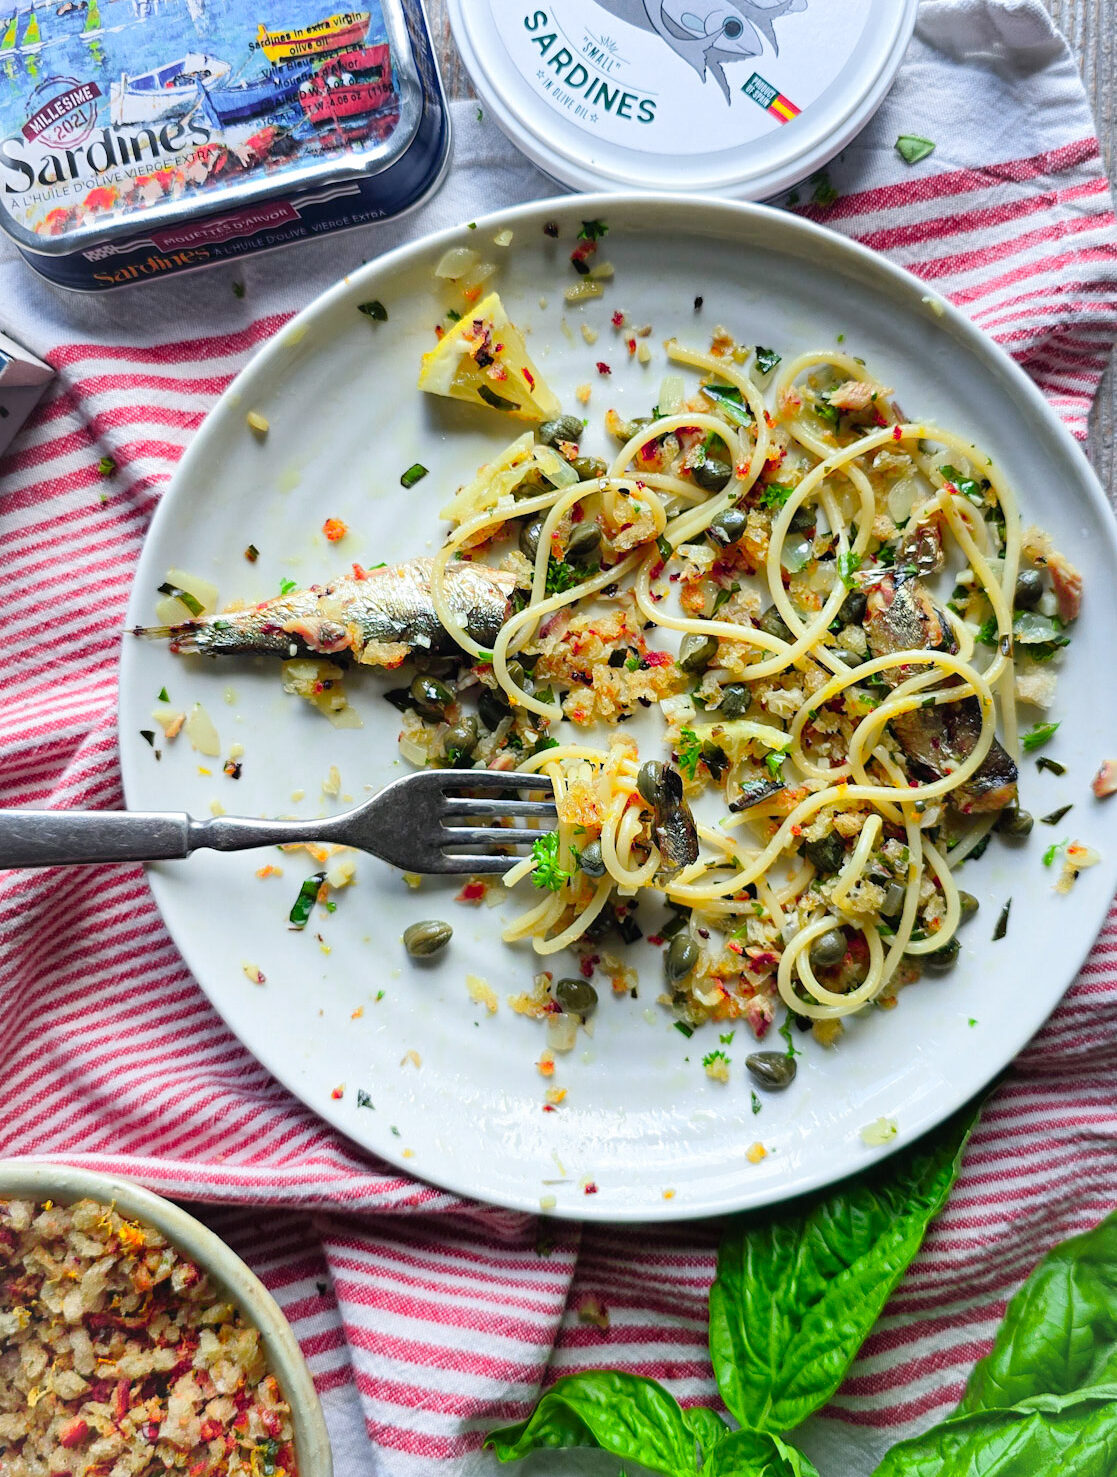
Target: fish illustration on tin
[(708, 33)]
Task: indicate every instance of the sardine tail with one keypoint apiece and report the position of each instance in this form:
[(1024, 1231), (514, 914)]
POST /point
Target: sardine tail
[(182, 637)]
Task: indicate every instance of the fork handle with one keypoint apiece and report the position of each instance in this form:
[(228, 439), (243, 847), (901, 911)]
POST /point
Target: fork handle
[(50, 838)]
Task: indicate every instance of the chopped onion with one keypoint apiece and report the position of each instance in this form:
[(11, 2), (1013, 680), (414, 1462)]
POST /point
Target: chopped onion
[(797, 556), (503, 238), (481, 273), (456, 262), (677, 709), (903, 496), (562, 1032), (579, 292), (603, 272), (672, 393), (414, 753), (342, 869), (556, 469), (202, 733)]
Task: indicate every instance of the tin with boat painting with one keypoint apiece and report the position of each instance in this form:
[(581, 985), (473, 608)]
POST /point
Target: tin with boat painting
[(138, 140)]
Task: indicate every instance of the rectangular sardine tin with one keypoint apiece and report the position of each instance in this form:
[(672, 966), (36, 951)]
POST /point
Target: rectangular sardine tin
[(144, 137)]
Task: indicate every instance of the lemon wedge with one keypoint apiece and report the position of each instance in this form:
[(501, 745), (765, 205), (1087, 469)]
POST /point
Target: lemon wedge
[(482, 359)]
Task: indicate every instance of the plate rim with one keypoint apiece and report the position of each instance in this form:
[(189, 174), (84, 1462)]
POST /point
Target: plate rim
[(860, 257)]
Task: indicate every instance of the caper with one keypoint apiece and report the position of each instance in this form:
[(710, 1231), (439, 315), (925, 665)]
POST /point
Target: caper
[(943, 960), (422, 940), (589, 467), (1029, 589), (852, 610), (805, 516), (969, 904), (519, 678), (893, 900), (530, 535), (429, 697), (736, 699), (591, 861), (680, 959), (712, 475), (773, 624), (826, 854), (461, 737), (772, 1069), (434, 666), (1014, 822), (493, 707), (728, 526), (584, 539), (828, 949), (649, 782), (564, 428), (577, 997), (697, 652)]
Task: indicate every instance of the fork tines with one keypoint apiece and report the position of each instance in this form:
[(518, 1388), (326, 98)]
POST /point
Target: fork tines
[(464, 808)]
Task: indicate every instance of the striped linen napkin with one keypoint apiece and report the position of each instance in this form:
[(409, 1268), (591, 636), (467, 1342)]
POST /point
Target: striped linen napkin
[(426, 1319)]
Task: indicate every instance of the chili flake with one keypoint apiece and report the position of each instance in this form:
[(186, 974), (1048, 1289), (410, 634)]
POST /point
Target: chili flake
[(335, 529)]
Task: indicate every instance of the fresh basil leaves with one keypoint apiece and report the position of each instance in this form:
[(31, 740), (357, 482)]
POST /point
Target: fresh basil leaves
[(796, 1295), (632, 1418)]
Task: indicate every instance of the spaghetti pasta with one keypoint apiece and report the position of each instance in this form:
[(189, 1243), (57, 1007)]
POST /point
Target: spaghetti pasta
[(836, 716)]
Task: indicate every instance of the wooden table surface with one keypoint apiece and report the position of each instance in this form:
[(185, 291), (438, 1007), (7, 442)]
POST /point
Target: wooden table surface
[(1091, 28)]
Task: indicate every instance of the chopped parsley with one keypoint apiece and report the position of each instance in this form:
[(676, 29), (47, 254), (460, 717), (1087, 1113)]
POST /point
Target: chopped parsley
[(1056, 816), (374, 309), (723, 596), (987, 632), (238, 289), (163, 695), (785, 1032), (774, 762), (562, 576), (715, 1056), (1037, 736), (766, 359), (727, 1040), (286, 586), (911, 148), (363, 1099), (775, 494), (730, 402), (664, 546), (1051, 765), (592, 231), (684, 1029), (544, 853), (192, 603), (149, 735), (690, 751), (300, 912), (825, 411), (1053, 851), (106, 466), (415, 473), (965, 485), (848, 565), (824, 192), (756, 1103)]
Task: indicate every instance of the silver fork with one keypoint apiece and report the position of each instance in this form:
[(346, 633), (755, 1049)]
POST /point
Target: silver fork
[(418, 823)]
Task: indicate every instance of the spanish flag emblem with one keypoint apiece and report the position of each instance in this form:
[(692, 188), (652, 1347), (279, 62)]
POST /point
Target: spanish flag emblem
[(770, 98)]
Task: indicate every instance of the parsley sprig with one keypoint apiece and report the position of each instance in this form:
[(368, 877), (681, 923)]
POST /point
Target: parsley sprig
[(544, 853)]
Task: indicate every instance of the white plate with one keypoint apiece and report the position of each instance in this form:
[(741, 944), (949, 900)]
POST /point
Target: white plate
[(640, 1120)]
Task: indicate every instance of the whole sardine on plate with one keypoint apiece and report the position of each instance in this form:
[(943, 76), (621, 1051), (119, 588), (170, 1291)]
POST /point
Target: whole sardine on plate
[(902, 616), (378, 617)]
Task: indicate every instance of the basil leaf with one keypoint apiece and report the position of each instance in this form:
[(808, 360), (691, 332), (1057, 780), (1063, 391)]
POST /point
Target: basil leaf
[(730, 402), (709, 1429), (1080, 1441), (756, 1454), (631, 1418), (796, 1295), (1059, 1333)]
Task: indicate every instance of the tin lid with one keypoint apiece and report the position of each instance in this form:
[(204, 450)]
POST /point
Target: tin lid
[(738, 97)]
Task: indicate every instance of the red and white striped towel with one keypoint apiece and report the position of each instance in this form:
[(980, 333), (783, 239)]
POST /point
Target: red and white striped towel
[(425, 1319)]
